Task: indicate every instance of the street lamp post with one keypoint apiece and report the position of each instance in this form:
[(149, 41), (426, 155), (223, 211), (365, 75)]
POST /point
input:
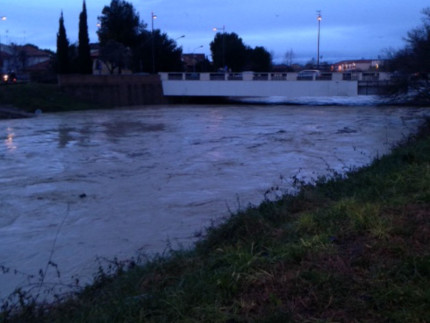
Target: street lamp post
[(319, 18), (3, 18), (223, 43), (153, 17)]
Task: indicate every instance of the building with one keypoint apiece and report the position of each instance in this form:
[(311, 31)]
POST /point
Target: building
[(18, 58), (101, 67), (27, 61), (358, 65), (190, 61)]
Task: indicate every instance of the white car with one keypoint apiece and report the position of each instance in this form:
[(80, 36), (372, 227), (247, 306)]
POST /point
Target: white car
[(308, 75)]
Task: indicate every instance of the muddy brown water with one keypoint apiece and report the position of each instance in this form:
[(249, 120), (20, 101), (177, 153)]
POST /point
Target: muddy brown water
[(79, 186)]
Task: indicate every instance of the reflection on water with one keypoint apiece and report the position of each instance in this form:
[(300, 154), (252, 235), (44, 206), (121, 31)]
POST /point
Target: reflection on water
[(114, 131), (82, 136), (9, 142), (118, 129), (64, 136)]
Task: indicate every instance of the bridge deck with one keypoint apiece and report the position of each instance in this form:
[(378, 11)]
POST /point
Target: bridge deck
[(250, 84)]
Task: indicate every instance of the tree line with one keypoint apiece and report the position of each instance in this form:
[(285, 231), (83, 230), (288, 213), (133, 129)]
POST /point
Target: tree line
[(70, 59), (126, 43), (411, 66)]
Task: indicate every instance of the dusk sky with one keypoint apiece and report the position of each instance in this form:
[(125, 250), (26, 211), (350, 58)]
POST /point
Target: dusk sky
[(350, 29)]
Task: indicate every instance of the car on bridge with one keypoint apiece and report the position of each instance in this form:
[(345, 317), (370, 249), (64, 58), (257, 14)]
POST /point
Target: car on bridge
[(308, 75)]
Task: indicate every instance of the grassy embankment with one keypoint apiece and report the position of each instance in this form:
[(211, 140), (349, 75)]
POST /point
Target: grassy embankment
[(46, 97), (355, 249)]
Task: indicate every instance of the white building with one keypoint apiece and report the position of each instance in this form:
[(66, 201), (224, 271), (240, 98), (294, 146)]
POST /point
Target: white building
[(357, 65)]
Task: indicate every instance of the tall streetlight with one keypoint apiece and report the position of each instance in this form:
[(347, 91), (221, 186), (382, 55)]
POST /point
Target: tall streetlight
[(223, 43), (3, 18), (153, 17), (319, 18)]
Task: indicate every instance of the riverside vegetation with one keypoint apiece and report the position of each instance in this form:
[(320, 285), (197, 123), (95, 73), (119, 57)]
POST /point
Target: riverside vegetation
[(30, 97), (351, 248)]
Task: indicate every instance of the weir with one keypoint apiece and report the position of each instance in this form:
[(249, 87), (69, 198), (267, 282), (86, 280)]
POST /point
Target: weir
[(251, 84)]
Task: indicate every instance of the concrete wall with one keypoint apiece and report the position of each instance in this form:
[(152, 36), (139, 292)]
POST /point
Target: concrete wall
[(114, 90), (260, 88)]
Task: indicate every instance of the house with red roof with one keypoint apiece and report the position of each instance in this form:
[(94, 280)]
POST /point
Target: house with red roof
[(25, 60)]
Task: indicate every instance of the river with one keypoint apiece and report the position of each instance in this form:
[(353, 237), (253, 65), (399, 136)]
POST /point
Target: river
[(79, 186)]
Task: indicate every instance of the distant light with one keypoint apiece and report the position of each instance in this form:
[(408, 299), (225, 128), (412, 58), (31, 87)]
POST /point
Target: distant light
[(3, 18), (219, 28)]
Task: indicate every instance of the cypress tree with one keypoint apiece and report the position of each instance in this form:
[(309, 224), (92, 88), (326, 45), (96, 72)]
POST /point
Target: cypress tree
[(84, 52), (62, 49)]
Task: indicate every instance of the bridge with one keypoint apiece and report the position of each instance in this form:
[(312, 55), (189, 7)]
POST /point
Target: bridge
[(251, 84)]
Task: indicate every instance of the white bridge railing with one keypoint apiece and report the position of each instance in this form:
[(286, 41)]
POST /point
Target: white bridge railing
[(270, 84), (274, 76)]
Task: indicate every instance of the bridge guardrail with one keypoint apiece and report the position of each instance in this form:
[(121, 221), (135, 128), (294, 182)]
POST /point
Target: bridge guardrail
[(324, 77), (278, 76), (235, 77), (260, 77), (192, 76), (175, 76), (217, 76), (274, 76)]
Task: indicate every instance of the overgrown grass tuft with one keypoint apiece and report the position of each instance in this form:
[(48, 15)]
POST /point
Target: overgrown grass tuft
[(352, 249)]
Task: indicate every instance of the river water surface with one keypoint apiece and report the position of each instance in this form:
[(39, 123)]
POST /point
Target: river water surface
[(80, 185)]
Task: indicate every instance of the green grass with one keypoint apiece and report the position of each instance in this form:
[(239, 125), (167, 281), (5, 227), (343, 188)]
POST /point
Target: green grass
[(342, 250), (46, 97)]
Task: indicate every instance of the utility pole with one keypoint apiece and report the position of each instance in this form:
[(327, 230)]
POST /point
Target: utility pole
[(319, 18), (223, 43), (3, 18), (153, 17), (194, 58)]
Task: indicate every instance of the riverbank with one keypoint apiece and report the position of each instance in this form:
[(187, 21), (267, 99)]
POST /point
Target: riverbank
[(27, 98), (341, 250), (10, 112)]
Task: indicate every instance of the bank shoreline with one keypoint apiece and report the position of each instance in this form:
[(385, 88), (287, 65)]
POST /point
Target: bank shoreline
[(77, 93), (10, 112)]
